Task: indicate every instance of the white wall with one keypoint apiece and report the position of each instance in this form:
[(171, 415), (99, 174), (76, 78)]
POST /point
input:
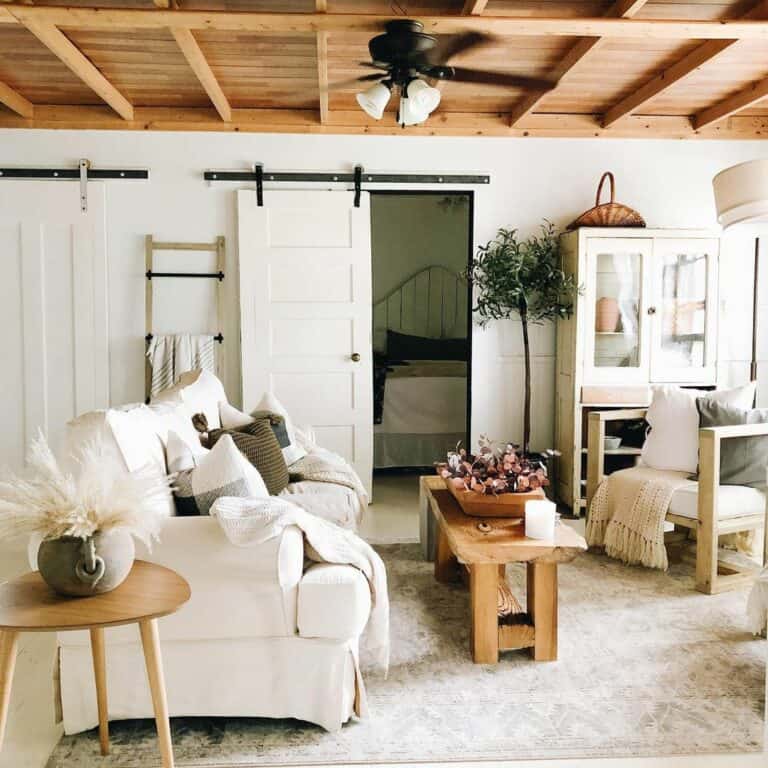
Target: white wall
[(669, 182)]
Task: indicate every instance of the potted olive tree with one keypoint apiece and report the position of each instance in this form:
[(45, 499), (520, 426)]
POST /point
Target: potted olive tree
[(522, 278)]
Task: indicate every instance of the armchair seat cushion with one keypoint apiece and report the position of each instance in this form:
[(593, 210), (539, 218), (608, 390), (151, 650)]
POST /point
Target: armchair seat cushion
[(334, 602), (732, 501)]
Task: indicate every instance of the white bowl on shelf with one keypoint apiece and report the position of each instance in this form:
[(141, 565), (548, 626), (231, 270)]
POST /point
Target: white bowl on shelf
[(611, 443)]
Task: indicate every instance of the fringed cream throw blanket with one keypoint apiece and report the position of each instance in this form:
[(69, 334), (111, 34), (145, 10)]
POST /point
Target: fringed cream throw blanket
[(627, 515)]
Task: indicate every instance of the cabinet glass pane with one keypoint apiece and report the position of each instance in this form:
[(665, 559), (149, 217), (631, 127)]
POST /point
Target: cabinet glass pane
[(683, 310), (617, 309)]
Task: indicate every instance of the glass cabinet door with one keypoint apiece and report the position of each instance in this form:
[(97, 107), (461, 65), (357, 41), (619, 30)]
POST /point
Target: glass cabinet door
[(684, 291), (615, 294)]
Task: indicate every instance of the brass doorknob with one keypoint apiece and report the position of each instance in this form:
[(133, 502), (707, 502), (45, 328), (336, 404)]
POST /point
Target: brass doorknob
[(651, 310), (355, 357)]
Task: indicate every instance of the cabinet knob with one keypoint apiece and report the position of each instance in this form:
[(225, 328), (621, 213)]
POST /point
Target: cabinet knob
[(651, 310), (355, 357)]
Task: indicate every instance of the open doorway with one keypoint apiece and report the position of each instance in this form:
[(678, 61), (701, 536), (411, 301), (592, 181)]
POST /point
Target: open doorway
[(421, 244)]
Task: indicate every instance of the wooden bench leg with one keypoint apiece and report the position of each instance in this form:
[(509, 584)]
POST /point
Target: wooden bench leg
[(446, 565), (100, 675), (542, 607), (8, 643), (484, 589)]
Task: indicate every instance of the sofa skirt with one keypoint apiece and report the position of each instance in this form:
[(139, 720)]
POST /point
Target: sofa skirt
[(309, 679)]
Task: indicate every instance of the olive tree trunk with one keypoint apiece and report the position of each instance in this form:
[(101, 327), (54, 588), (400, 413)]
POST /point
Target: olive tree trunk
[(523, 310)]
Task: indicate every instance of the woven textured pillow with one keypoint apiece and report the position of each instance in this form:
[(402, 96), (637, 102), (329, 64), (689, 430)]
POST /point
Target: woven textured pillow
[(257, 442), (220, 472)]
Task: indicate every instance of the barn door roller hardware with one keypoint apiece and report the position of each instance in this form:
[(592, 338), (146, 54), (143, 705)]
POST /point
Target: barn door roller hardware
[(83, 174), (357, 178)]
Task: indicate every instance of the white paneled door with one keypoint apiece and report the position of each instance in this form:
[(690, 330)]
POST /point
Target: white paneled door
[(53, 310), (305, 304)]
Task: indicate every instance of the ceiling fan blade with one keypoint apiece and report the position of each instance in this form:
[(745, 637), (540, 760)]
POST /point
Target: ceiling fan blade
[(370, 65), (449, 46), (504, 79), (355, 80)]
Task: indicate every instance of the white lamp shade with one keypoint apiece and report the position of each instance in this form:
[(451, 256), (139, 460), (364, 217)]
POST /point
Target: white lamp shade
[(410, 114), (374, 100), (741, 193), (423, 96)]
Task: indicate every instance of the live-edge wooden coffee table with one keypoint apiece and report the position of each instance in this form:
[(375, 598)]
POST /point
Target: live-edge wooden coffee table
[(498, 622), (27, 604)]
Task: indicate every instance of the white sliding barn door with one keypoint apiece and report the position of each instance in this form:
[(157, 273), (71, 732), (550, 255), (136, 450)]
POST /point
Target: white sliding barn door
[(53, 310), (305, 304)]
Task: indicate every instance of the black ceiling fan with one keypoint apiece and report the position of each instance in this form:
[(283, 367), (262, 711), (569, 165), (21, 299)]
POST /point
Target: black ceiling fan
[(405, 51), (407, 56)]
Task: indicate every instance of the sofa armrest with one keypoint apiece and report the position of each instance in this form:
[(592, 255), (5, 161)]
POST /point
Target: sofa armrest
[(595, 443)]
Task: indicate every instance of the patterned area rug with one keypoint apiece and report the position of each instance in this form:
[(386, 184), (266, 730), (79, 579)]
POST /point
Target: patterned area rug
[(647, 667)]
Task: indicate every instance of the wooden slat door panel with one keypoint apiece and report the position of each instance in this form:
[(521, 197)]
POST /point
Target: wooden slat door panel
[(305, 303)]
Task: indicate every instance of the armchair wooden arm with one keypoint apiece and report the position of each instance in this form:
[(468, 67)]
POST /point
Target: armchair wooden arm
[(596, 446), (710, 438)]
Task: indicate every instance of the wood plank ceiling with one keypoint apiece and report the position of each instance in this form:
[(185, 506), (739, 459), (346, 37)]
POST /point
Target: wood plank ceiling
[(651, 68)]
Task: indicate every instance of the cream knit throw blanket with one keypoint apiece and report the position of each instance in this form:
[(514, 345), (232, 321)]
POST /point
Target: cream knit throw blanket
[(627, 515), (322, 466)]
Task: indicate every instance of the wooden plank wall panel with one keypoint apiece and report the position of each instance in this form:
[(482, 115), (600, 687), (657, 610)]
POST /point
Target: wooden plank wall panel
[(263, 70), (146, 66), (28, 67)]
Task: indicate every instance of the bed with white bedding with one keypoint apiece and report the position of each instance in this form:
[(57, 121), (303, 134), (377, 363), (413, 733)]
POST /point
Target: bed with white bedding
[(421, 346)]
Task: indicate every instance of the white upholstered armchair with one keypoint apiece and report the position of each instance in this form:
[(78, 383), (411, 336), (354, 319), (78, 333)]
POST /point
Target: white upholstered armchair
[(706, 506)]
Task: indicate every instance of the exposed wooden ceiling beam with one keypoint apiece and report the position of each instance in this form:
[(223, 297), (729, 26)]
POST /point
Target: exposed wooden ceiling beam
[(355, 122), (744, 99), (249, 21), (474, 7), (321, 47), (61, 46), (675, 73), (199, 64), (577, 53), (15, 101)]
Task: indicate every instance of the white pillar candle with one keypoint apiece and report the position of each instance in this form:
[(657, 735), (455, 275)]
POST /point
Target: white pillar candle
[(540, 519)]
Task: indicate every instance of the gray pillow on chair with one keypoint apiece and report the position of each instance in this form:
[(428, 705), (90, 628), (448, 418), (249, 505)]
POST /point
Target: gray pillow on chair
[(743, 460)]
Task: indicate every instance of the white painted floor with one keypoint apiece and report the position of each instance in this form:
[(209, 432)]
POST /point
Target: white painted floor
[(393, 517)]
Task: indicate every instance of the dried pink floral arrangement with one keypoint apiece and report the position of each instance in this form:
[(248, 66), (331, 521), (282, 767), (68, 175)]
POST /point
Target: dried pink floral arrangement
[(495, 469)]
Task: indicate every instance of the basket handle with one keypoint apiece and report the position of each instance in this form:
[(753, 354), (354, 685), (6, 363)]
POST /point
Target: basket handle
[(609, 176)]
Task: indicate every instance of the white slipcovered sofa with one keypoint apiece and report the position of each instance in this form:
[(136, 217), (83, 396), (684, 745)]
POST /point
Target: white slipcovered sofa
[(261, 635)]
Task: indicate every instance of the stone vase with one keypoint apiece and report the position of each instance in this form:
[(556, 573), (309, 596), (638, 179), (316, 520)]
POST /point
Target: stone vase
[(81, 567)]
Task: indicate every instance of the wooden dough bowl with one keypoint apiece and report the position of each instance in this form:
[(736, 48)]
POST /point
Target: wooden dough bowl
[(503, 505)]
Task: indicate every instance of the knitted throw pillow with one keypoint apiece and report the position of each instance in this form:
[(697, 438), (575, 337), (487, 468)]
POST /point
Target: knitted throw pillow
[(257, 442)]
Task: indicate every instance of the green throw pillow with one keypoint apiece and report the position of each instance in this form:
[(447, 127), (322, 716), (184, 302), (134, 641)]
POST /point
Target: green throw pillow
[(743, 460)]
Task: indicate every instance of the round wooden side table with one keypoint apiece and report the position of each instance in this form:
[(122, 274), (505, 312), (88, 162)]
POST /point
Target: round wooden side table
[(28, 604)]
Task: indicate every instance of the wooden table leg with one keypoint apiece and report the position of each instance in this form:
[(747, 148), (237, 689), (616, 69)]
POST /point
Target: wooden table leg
[(542, 607), (445, 561), (483, 588), (100, 674), (150, 640), (8, 642)]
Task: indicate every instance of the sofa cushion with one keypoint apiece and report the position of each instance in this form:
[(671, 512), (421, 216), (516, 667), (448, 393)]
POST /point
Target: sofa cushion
[(743, 460), (673, 440), (732, 501), (259, 445), (293, 451), (199, 391), (334, 602), (223, 471)]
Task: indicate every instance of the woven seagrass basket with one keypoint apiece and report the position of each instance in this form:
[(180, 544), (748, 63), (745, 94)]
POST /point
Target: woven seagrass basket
[(611, 214)]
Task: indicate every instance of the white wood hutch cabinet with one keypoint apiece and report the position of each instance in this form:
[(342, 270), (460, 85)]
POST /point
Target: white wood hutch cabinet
[(647, 314)]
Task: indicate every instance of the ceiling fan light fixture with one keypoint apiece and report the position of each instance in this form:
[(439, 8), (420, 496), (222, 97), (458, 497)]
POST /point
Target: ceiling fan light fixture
[(409, 113), (423, 96), (374, 100)]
